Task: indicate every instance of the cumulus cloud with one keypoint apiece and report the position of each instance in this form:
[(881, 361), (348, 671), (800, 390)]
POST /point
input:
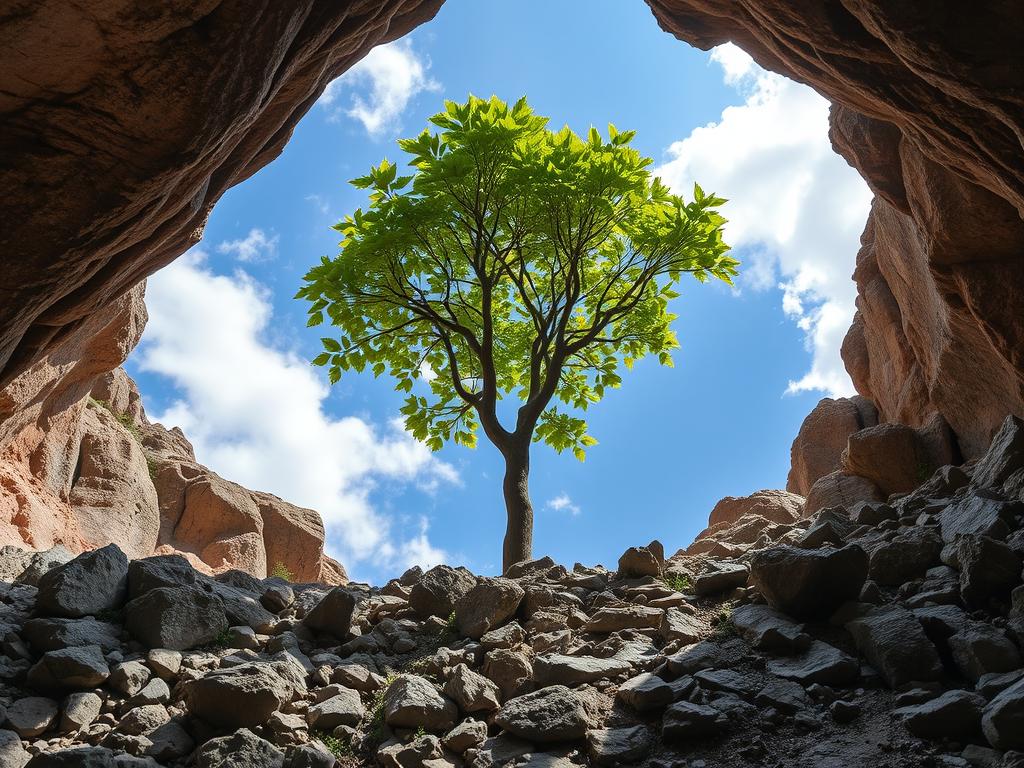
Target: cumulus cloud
[(255, 413), (256, 246), (795, 210), (563, 503), (379, 87)]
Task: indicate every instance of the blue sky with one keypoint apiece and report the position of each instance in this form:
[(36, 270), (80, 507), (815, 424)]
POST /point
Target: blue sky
[(225, 354)]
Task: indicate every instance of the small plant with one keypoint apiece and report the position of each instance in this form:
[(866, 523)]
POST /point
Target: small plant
[(377, 731), (450, 627), (421, 731), (723, 626), (223, 639), (337, 747), (280, 571), (123, 419), (679, 582), (153, 467)]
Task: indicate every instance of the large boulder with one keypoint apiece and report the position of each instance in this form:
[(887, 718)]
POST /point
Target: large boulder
[(809, 583), (818, 448), (549, 714), (1004, 456), (176, 618), (244, 696), (894, 642), (898, 458), (486, 606), (838, 489), (241, 748), (80, 668), (1003, 718), (333, 614), (777, 506), (413, 702), (440, 588), (91, 583)]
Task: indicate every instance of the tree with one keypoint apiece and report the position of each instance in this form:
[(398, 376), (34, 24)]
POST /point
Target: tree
[(513, 261)]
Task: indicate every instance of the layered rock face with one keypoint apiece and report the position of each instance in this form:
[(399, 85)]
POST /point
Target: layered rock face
[(876, 633), (123, 124), (929, 107), (81, 466)]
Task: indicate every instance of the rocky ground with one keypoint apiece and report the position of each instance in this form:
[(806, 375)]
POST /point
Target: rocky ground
[(883, 633)]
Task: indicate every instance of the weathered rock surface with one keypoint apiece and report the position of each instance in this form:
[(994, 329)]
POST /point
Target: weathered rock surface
[(923, 120)]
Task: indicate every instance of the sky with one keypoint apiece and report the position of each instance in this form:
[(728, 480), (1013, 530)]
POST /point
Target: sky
[(226, 353)]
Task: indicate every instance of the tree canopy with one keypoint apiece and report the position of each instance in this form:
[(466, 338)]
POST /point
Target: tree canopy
[(512, 260)]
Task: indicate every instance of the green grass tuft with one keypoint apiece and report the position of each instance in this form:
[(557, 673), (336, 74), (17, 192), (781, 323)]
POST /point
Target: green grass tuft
[(679, 582), (280, 571)]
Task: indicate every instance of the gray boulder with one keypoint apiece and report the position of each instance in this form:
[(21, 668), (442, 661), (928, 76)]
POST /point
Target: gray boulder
[(93, 582), (31, 716), (1005, 455), (637, 562), (894, 642), (550, 714), (981, 648), (175, 618), (487, 605), (344, 708), (238, 697), (1002, 720), (685, 720), (555, 669), (619, 746), (982, 512), (241, 749), (988, 568), (54, 634), (72, 668), (333, 614), (820, 663), (12, 754), (766, 629), (953, 715), (413, 702), (472, 691), (437, 591), (159, 571), (809, 583), (906, 556)]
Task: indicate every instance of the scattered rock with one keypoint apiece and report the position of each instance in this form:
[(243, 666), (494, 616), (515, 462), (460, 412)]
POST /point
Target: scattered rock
[(471, 691), (436, 593), (637, 562), (241, 748), (894, 642), (333, 614), (953, 715), (619, 746)]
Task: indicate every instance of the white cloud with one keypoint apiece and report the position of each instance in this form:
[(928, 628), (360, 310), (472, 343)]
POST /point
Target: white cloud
[(563, 503), (255, 246), (256, 414), (389, 77), (795, 210)]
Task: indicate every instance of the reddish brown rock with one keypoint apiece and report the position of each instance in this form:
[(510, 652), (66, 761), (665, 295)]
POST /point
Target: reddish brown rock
[(929, 107), (777, 506), (840, 490), (818, 448), (125, 123), (898, 458)]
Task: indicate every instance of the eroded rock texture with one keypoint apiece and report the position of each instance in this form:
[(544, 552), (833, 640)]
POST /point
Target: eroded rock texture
[(82, 466), (929, 107), (124, 122)]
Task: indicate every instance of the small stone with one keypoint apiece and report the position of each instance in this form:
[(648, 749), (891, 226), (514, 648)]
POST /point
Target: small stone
[(129, 677), (686, 720), (555, 669), (344, 708), (164, 662), (238, 697), (619, 746), (31, 716), (471, 691), (843, 711)]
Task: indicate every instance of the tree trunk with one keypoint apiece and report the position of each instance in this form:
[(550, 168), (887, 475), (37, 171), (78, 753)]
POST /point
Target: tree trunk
[(519, 531)]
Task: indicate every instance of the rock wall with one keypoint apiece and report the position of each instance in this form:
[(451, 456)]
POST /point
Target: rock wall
[(124, 122), (82, 466), (929, 107)]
